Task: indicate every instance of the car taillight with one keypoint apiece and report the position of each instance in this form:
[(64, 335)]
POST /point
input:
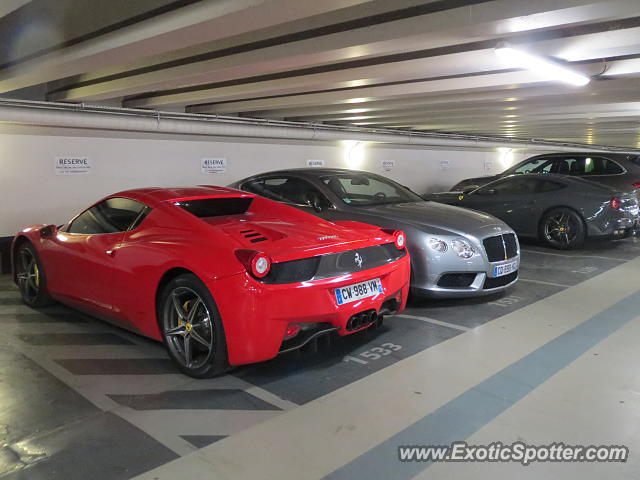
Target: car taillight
[(614, 203), (260, 265), (635, 184), (257, 264), (400, 239)]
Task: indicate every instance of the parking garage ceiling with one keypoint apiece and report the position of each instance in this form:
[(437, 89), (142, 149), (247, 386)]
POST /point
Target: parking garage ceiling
[(406, 64)]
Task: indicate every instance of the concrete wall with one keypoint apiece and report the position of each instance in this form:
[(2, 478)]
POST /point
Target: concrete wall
[(31, 192)]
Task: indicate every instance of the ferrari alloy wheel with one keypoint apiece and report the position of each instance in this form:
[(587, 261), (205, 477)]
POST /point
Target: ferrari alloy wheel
[(191, 328), (562, 228), (30, 277)]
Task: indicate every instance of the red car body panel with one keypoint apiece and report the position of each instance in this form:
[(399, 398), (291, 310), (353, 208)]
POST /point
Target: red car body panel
[(117, 276)]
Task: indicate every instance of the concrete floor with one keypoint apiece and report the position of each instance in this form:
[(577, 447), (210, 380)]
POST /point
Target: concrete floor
[(544, 362)]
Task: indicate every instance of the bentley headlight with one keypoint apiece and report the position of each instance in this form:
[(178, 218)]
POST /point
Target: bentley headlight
[(462, 248), (438, 245)]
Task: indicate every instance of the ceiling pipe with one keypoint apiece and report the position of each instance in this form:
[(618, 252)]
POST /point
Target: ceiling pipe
[(122, 119)]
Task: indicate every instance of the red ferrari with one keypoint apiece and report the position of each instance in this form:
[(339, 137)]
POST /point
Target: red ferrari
[(222, 277)]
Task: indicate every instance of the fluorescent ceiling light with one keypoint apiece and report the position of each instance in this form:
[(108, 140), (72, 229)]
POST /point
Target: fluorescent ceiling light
[(546, 69), (356, 100)]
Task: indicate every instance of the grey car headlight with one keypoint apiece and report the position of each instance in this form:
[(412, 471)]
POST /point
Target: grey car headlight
[(438, 245), (462, 248)]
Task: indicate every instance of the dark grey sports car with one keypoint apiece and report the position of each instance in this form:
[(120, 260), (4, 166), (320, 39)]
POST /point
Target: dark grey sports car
[(455, 252), (558, 209), (618, 170)]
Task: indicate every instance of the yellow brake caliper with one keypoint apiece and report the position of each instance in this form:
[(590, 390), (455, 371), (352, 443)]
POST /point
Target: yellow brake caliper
[(37, 273), (185, 305)]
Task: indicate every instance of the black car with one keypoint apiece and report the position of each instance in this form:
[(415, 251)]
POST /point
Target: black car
[(558, 209), (617, 170)]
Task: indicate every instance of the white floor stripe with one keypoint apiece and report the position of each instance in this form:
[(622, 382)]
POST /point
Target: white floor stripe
[(100, 352), (34, 328), (24, 310), (575, 256), (435, 322), (94, 385), (230, 381), (13, 294), (543, 282), (199, 422), (269, 397)]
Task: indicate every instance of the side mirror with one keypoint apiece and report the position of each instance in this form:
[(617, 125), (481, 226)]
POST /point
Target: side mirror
[(469, 188), (49, 231)]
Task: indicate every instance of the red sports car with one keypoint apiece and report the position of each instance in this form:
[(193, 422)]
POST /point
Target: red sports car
[(222, 277)]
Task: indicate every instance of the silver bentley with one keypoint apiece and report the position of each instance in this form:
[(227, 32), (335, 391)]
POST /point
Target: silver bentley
[(455, 252)]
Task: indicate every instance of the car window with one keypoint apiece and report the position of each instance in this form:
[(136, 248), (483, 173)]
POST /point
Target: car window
[(360, 188), (216, 207), (600, 166), (109, 216), (566, 166), (537, 165), (587, 165), (509, 186), (285, 189)]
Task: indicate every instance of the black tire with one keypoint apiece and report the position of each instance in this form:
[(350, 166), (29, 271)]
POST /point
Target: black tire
[(194, 337), (562, 228), (31, 277)]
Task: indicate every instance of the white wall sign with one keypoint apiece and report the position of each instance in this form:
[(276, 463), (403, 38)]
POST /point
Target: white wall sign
[(488, 165), (388, 165), (72, 165), (213, 165), (315, 163), (444, 164)]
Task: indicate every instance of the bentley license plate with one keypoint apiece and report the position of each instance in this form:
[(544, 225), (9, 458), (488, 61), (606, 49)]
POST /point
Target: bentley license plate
[(506, 269), (358, 291)]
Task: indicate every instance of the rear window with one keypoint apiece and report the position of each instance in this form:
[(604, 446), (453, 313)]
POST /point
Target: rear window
[(216, 207), (600, 166)]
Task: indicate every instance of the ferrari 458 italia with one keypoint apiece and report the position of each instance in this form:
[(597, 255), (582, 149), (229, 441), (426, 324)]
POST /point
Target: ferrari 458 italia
[(222, 277)]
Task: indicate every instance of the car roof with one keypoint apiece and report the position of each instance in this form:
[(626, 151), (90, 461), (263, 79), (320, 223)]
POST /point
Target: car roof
[(312, 172), (154, 195), (612, 155)]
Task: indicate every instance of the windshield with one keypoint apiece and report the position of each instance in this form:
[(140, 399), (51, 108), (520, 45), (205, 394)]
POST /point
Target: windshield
[(362, 189)]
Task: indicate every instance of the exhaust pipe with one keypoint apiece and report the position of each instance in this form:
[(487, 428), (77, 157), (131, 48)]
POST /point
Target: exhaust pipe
[(362, 319)]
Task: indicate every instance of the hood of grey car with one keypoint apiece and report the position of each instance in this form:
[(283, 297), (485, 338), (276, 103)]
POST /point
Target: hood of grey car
[(440, 218)]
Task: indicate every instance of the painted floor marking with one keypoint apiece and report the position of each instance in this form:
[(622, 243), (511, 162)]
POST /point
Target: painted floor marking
[(576, 256), (541, 282), (435, 322)]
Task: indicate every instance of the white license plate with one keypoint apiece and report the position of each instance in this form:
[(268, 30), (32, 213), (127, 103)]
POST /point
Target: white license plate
[(506, 269), (358, 291)]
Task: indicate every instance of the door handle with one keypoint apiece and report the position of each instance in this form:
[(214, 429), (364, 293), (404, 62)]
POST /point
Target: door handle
[(111, 253)]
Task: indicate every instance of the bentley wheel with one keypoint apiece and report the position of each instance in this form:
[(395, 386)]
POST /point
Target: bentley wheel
[(30, 276), (191, 327), (562, 228)]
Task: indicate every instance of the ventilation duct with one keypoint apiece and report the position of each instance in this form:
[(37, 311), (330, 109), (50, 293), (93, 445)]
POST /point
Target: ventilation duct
[(122, 119)]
